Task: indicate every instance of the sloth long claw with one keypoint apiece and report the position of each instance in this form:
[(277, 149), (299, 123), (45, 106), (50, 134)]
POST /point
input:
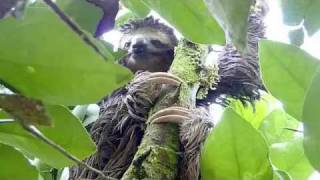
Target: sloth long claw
[(177, 119), (171, 110), (164, 78), (173, 114), (164, 74)]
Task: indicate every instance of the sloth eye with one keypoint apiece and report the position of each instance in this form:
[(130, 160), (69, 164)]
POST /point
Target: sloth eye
[(157, 43), (127, 44)]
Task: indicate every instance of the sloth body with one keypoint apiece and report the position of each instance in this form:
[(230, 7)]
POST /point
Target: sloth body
[(121, 123)]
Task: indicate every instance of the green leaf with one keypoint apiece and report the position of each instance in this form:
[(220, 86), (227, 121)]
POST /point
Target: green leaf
[(137, 7), (281, 175), (278, 127), (14, 166), (311, 19), (54, 64), (106, 51), (289, 156), (85, 14), (232, 16), (293, 11), (254, 115), (108, 48), (124, 18), (298, 88), (296, 11), (296, 36), (311, 122), (47, 172), (296, 69), (235, 150), (3, 114), (26, 110), (67, 132), (191, 18)]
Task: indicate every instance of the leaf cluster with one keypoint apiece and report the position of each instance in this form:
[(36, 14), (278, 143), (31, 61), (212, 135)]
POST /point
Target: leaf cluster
[(51, 64)]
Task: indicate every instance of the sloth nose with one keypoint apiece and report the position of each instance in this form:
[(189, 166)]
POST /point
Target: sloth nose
[(139, 47)]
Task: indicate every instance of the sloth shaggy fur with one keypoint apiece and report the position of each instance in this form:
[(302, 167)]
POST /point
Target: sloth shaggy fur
[(122, 120)]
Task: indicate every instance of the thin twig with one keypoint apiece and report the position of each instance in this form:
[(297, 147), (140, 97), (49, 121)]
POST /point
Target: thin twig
[(74, 26), (34, 131), (295, 130), (7, 121)]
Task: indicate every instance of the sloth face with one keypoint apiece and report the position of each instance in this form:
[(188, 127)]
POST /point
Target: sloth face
[(148, 50)]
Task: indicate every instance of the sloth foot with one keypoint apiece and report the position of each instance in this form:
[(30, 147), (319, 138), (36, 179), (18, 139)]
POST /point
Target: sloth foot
[(195, 124), (151, 83)]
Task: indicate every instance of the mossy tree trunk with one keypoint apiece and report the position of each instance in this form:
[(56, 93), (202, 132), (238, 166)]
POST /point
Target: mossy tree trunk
[(158, 154)]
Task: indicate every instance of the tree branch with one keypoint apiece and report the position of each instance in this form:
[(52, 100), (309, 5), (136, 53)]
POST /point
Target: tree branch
[(34, 131), (74, 27)]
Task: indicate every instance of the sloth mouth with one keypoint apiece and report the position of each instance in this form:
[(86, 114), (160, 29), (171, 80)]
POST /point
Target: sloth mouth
[(138, 51), (145, 54), (141, 55)]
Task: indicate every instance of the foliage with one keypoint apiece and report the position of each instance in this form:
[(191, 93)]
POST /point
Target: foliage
[(45, 60), (296, 70), (304, 13), (137, 7), (77, 8), (232, 15), (300, 95), (12, 158), (66, 132), (193, 20), (296, 36), (228, 155), (53, 63)]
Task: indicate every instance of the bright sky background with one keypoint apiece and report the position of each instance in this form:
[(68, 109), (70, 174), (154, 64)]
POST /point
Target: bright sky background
[(276, 31)]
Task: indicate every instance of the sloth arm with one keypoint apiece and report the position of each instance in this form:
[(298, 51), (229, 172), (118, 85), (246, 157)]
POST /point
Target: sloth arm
[(120, 126)]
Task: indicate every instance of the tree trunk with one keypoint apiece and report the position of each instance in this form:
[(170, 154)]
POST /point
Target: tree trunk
[(158, 154)]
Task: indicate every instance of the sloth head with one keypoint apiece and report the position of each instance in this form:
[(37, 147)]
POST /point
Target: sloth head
[(150, 45)]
